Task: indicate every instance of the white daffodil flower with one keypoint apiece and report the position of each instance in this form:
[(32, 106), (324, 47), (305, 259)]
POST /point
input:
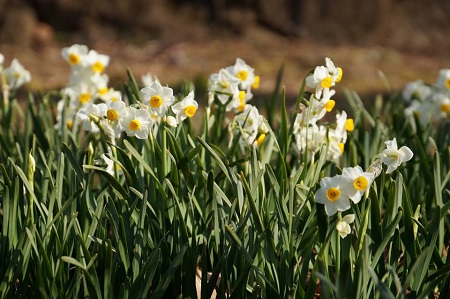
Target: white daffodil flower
[(114, 113), (343, 225), (243, 72), (332, 195), (16, 75), (320, 80), (75, 55), (252, 124), (137, 122), (159, 98), (443, 81), (97, 62), (442, 106), (416, 90), (222, 86), (185, 108), (355, 182), (393, 156), (335, 72), (85, 116), (110, 165)]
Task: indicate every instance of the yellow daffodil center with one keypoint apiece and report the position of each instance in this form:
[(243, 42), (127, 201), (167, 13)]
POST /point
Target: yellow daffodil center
[(112, 115), (98, 67), (255, 83), (103, 90), (260, 139), (339, 76), (447, 83), (190, 110), (74, 59), (156, 101), (326, 82), (242, 75), (360, 183), (242, 97), (341, 147), (134, 125), (114, 99), (241, 106), (333, 194), (445, 108), (349, 125), (329, 105), (84, 97)]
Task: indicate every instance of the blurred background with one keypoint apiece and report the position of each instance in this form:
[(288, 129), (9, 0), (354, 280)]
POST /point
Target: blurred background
[(176, 40)]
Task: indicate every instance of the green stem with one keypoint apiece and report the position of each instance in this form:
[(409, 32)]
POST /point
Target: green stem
[(338, 249), (163, 151)]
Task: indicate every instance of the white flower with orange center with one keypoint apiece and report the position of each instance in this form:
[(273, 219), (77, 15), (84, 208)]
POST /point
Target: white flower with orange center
[(335, 72), (319, 80), (356, 181), (115, 112), (443, 81), (250, 126), (186, 108), (244, 73), (442, 104), (224, 87), (343, 125), (75, 55), (332, 195), (80, 95), (158, 98), (100, 81), (110, 95), (137, 122), (97, 62), (393, 156)]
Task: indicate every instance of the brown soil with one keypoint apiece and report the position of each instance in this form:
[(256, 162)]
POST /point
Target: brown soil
[(193, 50)]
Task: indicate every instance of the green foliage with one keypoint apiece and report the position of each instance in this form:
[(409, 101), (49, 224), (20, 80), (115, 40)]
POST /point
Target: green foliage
[(186, 214)]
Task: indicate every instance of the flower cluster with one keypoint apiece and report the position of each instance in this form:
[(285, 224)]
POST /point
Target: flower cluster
[(429, 103), (310, 136), (231, 88), (100, 108), (13, 76), (337, 192)]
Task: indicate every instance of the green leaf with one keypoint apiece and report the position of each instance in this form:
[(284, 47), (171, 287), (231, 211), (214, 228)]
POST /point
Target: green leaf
[(112, 180), (168, 275)]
